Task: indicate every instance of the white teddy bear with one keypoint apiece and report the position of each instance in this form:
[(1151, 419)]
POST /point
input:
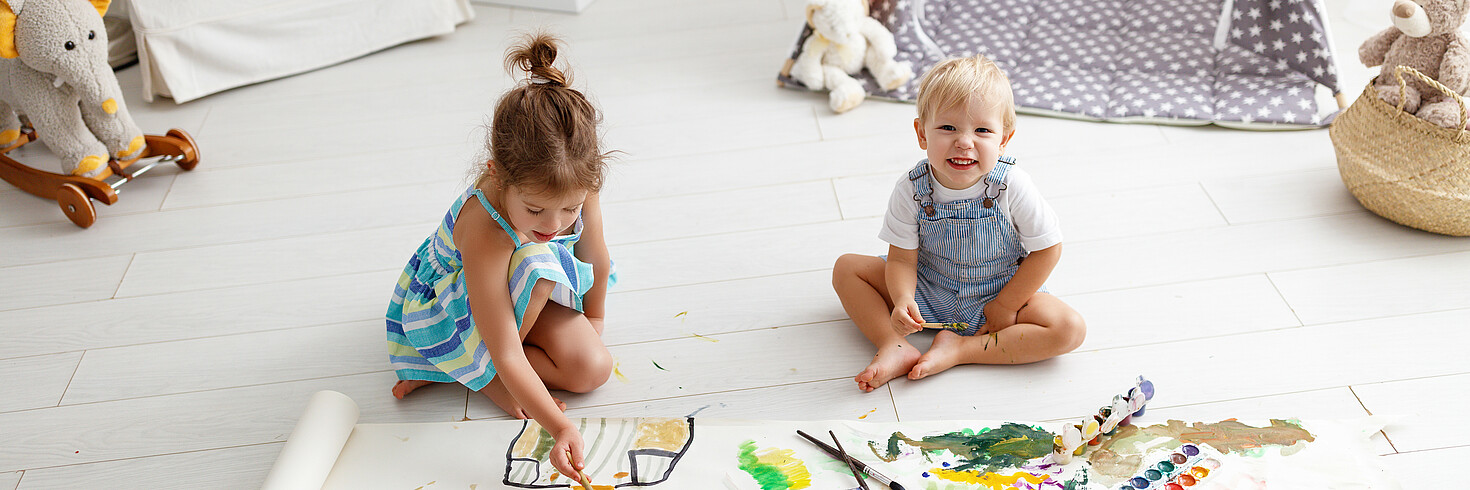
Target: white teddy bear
[(844, 41)]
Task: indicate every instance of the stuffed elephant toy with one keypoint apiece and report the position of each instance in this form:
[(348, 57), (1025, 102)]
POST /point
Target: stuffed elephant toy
[(55, 72)]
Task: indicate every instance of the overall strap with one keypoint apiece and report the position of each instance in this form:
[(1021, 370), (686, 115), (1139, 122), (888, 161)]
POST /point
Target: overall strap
[(923, 194), (997, 175), (498, 219), (995, 180)]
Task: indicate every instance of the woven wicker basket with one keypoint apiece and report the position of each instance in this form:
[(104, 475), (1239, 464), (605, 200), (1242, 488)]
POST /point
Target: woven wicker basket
[(1404, 168)]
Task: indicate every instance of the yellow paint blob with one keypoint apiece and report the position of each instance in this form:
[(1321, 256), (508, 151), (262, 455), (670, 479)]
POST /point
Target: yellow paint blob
[(135, 145), (618, 372), (784, 460), (9, 136), (993, 481), (89, 164), (109, 106)]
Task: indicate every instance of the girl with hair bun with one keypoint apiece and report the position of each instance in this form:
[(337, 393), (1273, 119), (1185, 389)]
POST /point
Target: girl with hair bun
[(507, 296)]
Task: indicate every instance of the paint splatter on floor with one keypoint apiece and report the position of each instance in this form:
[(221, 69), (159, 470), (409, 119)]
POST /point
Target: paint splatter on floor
[(655, 364), (774, 468), (619, 373), (870, 412), (704, 338)]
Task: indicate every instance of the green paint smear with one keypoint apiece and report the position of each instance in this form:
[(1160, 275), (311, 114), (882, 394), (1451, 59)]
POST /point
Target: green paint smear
[(768, 475), (544, 443), (1078, 481), (1007, 446), (655, 364)]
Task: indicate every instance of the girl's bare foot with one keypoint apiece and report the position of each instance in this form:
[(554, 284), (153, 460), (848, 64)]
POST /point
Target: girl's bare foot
[(405, 386), (498, 394), (943, 354), (890, 362)]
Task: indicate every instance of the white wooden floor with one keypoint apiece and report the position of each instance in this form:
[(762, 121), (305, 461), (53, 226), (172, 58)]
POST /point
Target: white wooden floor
[(174, 343)]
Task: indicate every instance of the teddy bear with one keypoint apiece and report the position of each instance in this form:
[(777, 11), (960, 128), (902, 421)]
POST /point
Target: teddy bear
[(55, 71), (1424, 36), (845, 40)]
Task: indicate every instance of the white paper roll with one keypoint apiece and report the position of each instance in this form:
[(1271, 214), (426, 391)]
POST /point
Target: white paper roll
[(313, 447)]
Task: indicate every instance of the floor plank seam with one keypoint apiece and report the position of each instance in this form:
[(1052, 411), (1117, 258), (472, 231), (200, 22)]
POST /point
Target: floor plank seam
[(718, 281), (204, 337), (123, 278), (1284, 300), (70, 379), (220, 388), (175, 453), (1213, 203), (694, 335), (642, 400)]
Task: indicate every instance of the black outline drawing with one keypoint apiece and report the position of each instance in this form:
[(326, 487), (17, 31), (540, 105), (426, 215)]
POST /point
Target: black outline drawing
[(633, 454)]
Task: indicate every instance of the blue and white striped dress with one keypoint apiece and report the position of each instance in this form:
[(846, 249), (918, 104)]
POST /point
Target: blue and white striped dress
[(431, 333)]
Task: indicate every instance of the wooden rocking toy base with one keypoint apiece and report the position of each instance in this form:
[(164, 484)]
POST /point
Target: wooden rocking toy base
[(75, 194)]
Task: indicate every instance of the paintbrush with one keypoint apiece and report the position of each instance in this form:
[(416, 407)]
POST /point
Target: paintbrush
[(581, 475), (848, 459), (958, 326), (832, 451)]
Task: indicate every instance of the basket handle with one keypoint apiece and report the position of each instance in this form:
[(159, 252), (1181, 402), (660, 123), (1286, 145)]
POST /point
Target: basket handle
[(1404, 90)]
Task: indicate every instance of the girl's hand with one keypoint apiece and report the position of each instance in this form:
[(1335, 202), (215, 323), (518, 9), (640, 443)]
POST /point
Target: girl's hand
[(906, 318), (998, 317), (566, 454)]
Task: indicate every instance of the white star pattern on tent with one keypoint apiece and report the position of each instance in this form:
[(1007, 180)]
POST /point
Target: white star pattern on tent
[(1290, 24), (1126, 58)]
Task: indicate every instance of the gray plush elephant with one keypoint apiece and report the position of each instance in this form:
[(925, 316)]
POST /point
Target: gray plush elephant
[(55, 72)]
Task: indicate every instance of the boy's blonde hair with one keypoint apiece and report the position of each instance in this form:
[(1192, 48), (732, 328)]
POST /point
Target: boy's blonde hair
[(953, 80)]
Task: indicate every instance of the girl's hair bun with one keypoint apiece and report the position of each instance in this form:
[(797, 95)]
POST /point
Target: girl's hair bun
[(534, 55)]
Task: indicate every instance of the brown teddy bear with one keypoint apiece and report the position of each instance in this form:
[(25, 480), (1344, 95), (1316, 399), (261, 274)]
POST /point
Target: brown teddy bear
[(1425, 36)]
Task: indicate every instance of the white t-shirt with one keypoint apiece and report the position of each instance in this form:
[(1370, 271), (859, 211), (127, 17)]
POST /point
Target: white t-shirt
[(1021, 203)]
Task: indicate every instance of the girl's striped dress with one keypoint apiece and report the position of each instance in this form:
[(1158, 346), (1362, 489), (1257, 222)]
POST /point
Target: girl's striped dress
[(431, 335)]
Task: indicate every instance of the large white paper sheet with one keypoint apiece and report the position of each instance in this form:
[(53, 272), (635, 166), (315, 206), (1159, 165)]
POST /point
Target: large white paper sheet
[(685, 453)]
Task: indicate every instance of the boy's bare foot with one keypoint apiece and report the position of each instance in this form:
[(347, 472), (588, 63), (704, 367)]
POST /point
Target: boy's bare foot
[(943, 354), (405, 386), (498, 394), (890, 362)]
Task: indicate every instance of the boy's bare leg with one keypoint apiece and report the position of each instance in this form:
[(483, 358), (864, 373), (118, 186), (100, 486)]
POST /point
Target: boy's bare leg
[(1045, 328), (860, 283)]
